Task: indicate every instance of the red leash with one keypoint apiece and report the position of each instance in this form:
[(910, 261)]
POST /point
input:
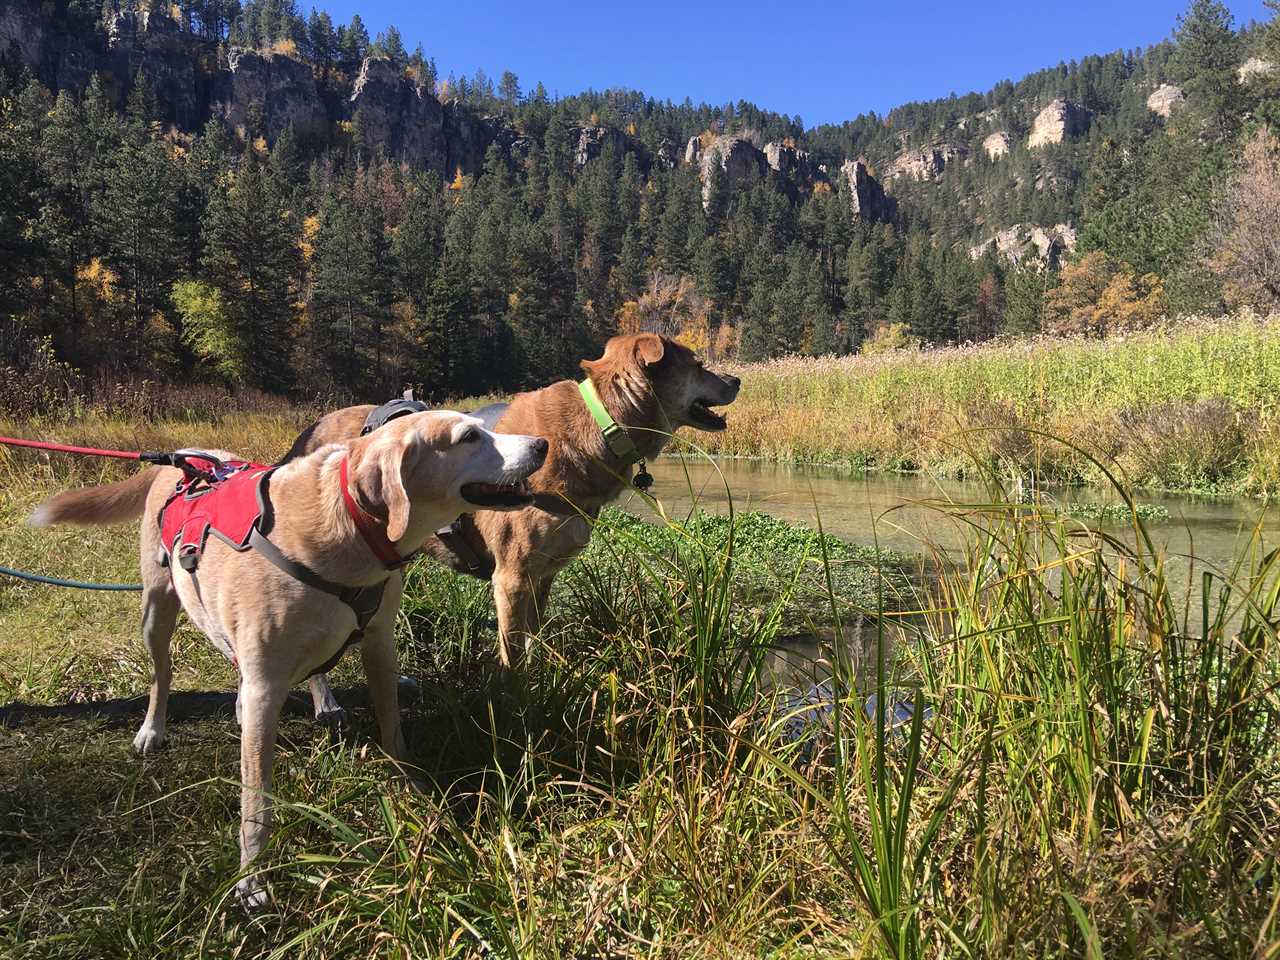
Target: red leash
[(180, 458), (65, 448)]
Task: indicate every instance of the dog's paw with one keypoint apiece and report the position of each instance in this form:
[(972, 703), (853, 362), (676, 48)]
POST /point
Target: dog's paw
[(149, 739), (252, 895), (335, 722)]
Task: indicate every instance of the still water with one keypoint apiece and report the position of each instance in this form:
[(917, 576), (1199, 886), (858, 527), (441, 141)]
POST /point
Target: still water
[(905, 512)]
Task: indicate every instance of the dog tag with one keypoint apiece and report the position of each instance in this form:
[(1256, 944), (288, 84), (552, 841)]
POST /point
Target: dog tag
[(643, 479)]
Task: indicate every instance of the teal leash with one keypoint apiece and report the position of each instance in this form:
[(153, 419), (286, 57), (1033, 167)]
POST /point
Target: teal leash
[(74, 584)]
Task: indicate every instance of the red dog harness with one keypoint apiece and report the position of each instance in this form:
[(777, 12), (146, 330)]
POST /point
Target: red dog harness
[(232, 501)]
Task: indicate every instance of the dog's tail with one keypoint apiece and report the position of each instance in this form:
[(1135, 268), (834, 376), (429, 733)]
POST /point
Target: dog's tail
[(97, 506)]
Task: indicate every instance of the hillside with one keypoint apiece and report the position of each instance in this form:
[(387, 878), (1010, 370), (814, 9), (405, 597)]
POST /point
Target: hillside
[(550, 224)]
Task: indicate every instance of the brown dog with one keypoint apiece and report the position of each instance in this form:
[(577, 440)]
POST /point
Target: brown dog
[(278, 625), (651, 385)]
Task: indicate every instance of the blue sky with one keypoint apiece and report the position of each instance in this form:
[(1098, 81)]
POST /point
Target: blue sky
[(825, 62)]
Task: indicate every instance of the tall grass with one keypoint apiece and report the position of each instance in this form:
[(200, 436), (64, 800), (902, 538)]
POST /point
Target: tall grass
[(1058, 761), (1190, 408)]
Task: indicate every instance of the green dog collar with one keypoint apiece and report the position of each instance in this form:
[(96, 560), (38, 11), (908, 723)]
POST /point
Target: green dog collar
[(615, 437)]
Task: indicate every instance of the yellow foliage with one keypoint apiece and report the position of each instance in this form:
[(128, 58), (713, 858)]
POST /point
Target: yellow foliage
[(695, 333), (285, 47), (706, 138), (444, 89), (458, 180), (821, 186), (1097, 296), (631, 129), (345, 126), (595, 119), (310, 227), (889, 338), (260, 146), (101, 280), (629, 318)]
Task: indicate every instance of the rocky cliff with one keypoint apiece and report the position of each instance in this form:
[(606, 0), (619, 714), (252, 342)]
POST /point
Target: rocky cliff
[(194, 80), (926, 164), (869, 200), (1058, 121), (1165, 99), (1022, 240)]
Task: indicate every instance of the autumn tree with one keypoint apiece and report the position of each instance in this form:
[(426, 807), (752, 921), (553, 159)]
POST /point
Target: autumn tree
[(1246, 241)]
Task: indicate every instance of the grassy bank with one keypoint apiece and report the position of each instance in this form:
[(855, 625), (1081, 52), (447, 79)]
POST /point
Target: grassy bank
[(1191, 409), (1088, 770)]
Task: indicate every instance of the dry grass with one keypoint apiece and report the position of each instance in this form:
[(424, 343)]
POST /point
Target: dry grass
[(1190, 408)]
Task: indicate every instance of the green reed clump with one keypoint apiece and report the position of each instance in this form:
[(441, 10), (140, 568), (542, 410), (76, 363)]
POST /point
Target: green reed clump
[(1062, 760)]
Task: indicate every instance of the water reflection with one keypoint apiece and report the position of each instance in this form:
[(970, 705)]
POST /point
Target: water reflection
[(894, 511)]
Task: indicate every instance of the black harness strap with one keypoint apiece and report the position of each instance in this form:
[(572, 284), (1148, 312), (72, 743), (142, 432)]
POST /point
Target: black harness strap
[(363, 601), (400, 407)]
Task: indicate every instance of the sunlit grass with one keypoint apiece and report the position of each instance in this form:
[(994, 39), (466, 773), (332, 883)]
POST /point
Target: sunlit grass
[(1085, 768), (1191, 408)]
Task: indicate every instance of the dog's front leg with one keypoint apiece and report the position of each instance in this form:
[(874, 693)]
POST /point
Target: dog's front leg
[(513, 597), (261, 702), (378, 652)]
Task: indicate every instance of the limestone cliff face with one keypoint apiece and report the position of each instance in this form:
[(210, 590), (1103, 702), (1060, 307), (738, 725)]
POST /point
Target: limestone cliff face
[(1255, 68), (789, 161), (926, 164), (282, 89), (401, 115), (1022, 240), (1058, 121), (738, 157), (1165, 99), (996, 145), (869, 200)]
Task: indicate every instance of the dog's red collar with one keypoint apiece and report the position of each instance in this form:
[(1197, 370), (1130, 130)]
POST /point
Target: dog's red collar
[(373, 535)]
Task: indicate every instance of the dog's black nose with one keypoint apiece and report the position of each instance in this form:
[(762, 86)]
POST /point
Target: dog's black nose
[(734, 382), (540, 444)]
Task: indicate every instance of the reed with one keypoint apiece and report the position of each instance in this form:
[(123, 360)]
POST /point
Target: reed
[(1025, 747)]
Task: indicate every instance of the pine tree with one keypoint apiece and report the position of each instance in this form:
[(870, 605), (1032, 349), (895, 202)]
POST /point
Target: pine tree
[(137, 217), (250, 259), (1204, 63)]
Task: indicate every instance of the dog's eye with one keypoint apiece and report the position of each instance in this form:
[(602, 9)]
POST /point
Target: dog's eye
[(470, 436)]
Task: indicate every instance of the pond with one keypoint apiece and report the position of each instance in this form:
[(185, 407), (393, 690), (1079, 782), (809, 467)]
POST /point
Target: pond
[(894, 510)]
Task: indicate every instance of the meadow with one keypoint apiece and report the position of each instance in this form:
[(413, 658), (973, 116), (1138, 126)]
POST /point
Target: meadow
[(1191, 408), (1024, 748)]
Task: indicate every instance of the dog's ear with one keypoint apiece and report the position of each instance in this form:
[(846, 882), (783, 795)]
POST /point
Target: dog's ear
[(649, 348), (379, 476), (394, 495)]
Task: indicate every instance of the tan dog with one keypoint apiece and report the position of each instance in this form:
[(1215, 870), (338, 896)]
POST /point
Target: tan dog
[(651, 385), (406, 480)]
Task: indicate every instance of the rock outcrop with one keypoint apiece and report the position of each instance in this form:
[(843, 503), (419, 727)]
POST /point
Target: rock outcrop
[(789, 161), (925, 164), (1046, 244), (280, 89), (867, 196), (1165, 99), (1254, 68), (402, 116), (738, 157), (1059, 121), (591, 143), (996, 145)]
